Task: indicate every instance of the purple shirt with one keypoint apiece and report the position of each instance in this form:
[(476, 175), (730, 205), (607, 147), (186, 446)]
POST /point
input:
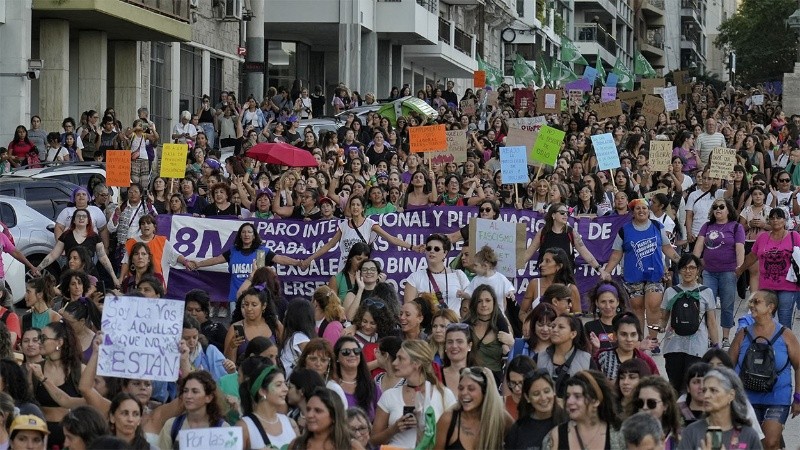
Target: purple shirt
[(719, 254)]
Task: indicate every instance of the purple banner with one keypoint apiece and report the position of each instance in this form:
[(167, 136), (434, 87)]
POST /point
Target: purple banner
[(201, 238)]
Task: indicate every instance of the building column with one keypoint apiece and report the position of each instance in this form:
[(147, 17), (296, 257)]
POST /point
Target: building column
[(15, 91), (175, 82), (383, 68), (93, 70), (54, 81), (126, 80), (369, 61), (254, 82), (397, 69), (350, 45), (205, 79)]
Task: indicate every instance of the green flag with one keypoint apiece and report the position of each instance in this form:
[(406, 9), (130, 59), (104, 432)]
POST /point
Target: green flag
[(624, 75), (523, 73), (555, 72), (541, 67), (601, 71), (642, 67), (494, 77), (570, 53), (561, 73)]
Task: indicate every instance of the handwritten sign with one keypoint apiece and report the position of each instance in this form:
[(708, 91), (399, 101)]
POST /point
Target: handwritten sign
[(456, 149), (630, 97), (548, 101), (575, 96), (758, 99), (608, 109), (142, 338), (468, 107), (606, 151), (670, 95), (173, 160), (527, 123), (651, 108), (432, 138), (479, 78), (547, 146), (650, 84), (524, 99), (722, 162), (652, 194), (660, 156), (118, 168), (514, 164), (228, 438), (507, 239), (608, 94)]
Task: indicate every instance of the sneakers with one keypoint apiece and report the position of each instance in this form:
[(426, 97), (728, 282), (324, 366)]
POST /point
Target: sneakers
[(726, 343)]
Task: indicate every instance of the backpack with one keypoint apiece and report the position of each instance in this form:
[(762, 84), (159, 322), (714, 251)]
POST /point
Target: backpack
[(90, 145), (758, 371), (684, 310)]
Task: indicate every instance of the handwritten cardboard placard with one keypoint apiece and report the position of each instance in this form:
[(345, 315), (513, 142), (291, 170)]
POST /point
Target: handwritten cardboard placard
[(606, 151), (517, 137), (479, 78), (527, 123), (468, 107), (547, 145), (608, 109), (650, 194), (548, 101), (758, 99), (456, 149), (608, 94), (173, 160), (514, 164), (682, 111), (722, 162), (670, 96), (228, 438), (524, 99), (660, 158), (432, 138), (507, 239), (649, 85), (118, 168), (575, 96), (651, 108), (141, 338), (630, 97)]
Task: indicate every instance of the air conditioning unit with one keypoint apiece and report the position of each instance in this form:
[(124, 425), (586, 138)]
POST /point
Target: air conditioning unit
[(233, 10)]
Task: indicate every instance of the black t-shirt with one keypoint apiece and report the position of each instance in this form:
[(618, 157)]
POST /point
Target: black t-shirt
[(90, 243), (297, 213), (528, 433), (213, 210), (603, 332)]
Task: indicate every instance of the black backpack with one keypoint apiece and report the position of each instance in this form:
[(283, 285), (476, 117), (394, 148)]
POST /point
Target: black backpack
[(758, 371), (684, 310)]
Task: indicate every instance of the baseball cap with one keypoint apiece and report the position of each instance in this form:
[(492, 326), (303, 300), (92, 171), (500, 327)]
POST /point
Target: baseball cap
[(213, 163), (28, 422)]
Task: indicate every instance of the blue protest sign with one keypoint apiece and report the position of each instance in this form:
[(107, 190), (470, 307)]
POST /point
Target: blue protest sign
[(606, 151), (611, 81), (514, 164), (590, 74)]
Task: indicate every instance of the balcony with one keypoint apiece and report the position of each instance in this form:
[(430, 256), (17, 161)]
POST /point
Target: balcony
[(653, 11), (624, 12), (691, 10), (592, 39), (608, 5), (653, 43), (152, 20), (464, 2), (454, 54), (408, 22)]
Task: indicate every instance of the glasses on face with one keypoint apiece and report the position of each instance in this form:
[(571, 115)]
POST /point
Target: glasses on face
[(369, 270), (718, 207), (515, 384), (784, 180), (755, 301), (460, 326), (348, 351), (562, 211), (433, 248), (359, 430), (759, 183), (43, 338), (81, 216), (689, 268), (318, 359), (651, 403), (486, 210)]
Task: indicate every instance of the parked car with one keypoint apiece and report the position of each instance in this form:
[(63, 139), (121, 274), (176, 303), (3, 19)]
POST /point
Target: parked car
[(46, 196), (320, 126), (78, 173), (33, 237), (360, 111)]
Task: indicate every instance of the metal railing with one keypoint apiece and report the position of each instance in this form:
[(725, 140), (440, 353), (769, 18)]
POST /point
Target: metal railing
[(591, 32), (444, 30), (178, 9), (655, 37), (463, 42)]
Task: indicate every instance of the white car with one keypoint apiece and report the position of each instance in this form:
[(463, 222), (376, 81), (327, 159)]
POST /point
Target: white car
[(77, 173)]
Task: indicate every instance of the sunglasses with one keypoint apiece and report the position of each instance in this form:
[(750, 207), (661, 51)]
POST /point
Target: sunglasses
[(355, 352), (433, 248), (785, 180), (485, 210), (457, 326), (718, 207), (376, 303), (369, 270), (562, 212), (650, 402)]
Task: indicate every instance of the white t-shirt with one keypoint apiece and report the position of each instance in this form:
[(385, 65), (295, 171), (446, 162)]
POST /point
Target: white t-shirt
[(285, 438), (784, 202), (139, 143), (392, 402), (700, 203), (182, 129), (291, 351), (57, 154), (449, 283), (98, 218), (350, 237), (499, 284)]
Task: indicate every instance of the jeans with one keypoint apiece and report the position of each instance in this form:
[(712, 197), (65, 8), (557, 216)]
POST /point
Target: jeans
[(211, 134), (723, 285), (786, 302)]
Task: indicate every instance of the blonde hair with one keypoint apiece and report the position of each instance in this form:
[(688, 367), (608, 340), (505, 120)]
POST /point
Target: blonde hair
[(493, 411), (449, 315), (329, 303), (486, 254), (420, 352)]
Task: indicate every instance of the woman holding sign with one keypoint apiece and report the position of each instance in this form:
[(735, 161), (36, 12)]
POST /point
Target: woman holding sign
[(203, 410)]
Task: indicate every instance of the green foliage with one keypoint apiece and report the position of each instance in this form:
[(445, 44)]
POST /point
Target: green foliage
[(558, 25), (540, 7), (765, 47)]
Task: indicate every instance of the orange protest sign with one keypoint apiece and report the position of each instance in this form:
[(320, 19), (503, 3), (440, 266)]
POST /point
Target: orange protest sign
[(427, 139), (118, 168), (479, 78)]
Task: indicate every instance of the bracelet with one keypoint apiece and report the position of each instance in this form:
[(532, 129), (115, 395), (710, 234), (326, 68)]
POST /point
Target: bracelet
[(43, 380)]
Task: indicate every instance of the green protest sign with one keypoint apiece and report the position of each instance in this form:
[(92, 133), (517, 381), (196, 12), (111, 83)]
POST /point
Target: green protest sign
[(548, 146)]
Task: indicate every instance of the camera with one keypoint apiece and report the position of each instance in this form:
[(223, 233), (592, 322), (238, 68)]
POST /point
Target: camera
[(34, 68)]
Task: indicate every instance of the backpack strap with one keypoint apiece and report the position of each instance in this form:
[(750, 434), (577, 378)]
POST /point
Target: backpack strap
[(678, 291), (772, 342), (176, 427), (519, 346), (260, 428), (5, 315)]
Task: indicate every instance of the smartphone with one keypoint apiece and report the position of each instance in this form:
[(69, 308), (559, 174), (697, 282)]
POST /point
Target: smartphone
[(101, 286), (715, 434), (239, 330), (261, 258), (408, 410)]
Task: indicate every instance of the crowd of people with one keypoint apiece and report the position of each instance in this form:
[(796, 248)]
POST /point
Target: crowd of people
[(452, 359)]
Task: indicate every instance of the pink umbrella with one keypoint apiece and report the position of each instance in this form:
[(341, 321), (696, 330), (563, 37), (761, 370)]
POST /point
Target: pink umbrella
[(282, 154)]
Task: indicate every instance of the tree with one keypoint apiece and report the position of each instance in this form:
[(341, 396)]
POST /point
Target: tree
[(765, 47)]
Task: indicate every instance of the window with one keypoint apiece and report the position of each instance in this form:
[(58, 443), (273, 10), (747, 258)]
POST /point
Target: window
[(160, 89), (7, 215), (10, 192), (191, 78), (286, 62), (215, 83), (49, 201)]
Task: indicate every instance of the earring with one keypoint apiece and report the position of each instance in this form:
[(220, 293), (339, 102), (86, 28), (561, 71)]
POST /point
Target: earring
[(619, 309), (263, 397), (597, 311), (56, 348)]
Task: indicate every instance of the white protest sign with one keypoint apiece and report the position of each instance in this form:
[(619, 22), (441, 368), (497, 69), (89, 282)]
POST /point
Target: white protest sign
[(142, 338), (228, 438), (514, 165), (608, 94), (670, 96), (550, 101), (527, 123), (758, 99), (501, 236), (606, 151)]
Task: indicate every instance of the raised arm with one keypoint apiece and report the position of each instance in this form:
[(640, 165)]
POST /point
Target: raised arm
[(86, 385)]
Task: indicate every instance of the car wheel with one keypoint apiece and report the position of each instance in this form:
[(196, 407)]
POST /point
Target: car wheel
[(53, 269)]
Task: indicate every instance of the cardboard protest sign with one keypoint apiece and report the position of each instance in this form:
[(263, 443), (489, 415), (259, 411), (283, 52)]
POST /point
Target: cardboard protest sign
[(468, 107), (479, 78), (517, 137), (228, 438), (548, 101), (683, 81), (649, 85), (173, 160), (608, 109), (527, 123), (456, 149), (650, 194), (118, 168), (608, 94), (142, 338), (524, 99), (651, 108), (507, 239), (575, 96), (492, 98), (660, 158), (606, 151), (547, 146), (722, 161), (432, 138), (682, 111), (514, 165), (670, 96), (630, 97)]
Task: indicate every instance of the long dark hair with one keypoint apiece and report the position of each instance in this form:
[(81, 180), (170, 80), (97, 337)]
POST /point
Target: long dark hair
[(257, 242), (213, 409), (139, 442), (260, 364), (70, 351), (340, 434), (299, 318), (365, 386), (359, 248), (14, 382), (541, 312), (596, 388), (265, 297), (525, 409), (85, 309), (496, 321), (566, 275), (86, 423)]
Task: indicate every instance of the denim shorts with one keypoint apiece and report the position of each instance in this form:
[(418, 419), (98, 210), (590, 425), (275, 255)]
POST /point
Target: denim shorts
[(778, 413)]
